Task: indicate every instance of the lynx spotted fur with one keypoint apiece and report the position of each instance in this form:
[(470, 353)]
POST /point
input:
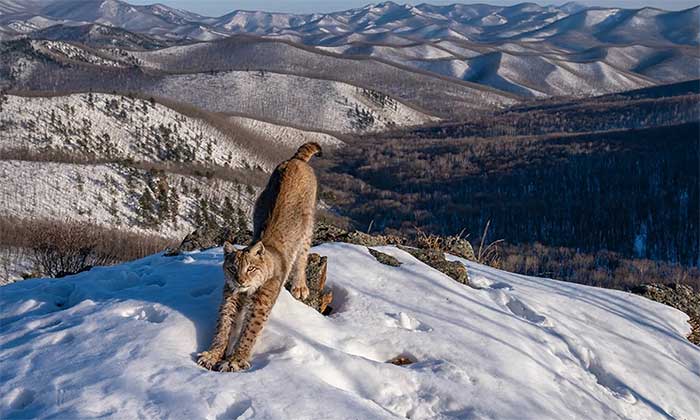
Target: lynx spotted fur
[(283, 222)]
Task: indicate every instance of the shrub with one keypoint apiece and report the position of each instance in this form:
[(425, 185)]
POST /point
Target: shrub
[(59, 248)]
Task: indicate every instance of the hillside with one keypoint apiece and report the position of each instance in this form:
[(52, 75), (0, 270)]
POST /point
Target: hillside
[(121, 341), (118, 128), (131, 164), (444, 61), (477, 55), (53, 66), (614, 173)]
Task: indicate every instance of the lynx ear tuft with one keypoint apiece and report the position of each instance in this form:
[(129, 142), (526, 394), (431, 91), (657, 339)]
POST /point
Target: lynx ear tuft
[(229, 248), (258, 249)]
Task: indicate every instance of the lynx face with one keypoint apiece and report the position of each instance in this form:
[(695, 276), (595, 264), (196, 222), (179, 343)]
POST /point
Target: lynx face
[(245, 270)]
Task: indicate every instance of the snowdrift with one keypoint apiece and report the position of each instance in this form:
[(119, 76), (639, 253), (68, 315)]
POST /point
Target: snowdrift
[(121, 341)]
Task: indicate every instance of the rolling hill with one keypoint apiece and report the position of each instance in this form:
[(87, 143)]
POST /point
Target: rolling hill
[(525, 50)]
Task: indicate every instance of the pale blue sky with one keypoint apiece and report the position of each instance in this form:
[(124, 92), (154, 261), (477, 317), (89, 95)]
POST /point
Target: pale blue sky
[(220, 7)]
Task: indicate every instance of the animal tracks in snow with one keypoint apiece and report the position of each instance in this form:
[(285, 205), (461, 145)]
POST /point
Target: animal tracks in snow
[(202, 291), (519, 309), (407, 322), (575, 353), (149, 313)]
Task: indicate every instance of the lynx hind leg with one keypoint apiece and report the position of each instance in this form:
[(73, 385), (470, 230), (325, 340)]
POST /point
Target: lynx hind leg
[(300, 289)]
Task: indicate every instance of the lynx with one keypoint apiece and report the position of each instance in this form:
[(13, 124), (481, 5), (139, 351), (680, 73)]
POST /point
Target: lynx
[(283, 221)]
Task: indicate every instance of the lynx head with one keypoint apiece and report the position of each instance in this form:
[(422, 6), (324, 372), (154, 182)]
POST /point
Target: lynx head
[(247, 269)]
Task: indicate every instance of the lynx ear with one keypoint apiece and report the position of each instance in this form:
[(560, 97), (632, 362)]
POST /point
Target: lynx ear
[(229, 248), (258, 249)]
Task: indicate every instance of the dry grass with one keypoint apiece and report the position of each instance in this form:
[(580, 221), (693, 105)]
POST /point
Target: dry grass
[(58, 248)]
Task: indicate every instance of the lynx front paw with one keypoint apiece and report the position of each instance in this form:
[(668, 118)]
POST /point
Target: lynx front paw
[(234, 365), (300, 292), (207, 360)]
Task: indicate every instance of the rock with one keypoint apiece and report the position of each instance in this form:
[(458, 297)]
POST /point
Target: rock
[(455, 245), (207, 237), (678, 296), (324, 232), (436, 259), (319, 296), (459, 247), (401, 360), (359, 238), (384, 258)]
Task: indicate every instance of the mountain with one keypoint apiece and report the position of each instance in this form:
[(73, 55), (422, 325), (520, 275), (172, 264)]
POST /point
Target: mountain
[(621, 26), (96, 35), (388, 21), (525, 50), (364, 95), (122, 341)]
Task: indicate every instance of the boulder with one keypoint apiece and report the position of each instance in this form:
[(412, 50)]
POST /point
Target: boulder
[(324, 232), (319, 296), (384, 258), (207, 237), (678, 296), (436, 259)]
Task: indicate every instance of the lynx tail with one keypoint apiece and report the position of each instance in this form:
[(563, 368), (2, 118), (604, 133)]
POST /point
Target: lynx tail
[(307, 150)]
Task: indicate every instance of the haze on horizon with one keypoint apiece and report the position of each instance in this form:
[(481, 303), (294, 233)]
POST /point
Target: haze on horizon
[(221, 7)]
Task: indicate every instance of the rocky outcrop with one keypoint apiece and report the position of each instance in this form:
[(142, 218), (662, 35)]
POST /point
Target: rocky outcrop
[(319, 296), (207, 237), (678, 296), (454, 244), (436, 259), (459, 247), (384, 258), (324, 232)]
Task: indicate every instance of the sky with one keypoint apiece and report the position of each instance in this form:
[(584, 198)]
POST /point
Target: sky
[(220, 7)]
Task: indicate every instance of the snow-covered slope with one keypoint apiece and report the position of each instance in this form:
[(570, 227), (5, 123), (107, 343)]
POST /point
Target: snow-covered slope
[(118, 127), (384, 21), (285, 136), (316, 104), (120, 342), (445, 40), (99, 35), (109, 195)]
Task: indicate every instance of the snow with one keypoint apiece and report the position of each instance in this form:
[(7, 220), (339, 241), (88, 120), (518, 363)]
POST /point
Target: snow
[(119, 126), (288, 99), (121, 341), (105, 194), (282, 135), (75, 53)]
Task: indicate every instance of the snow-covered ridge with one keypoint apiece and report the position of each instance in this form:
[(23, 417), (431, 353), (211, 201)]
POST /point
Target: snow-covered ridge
[(282, 135), (109, 194), (423, 37), (318, 104), (121, 342), (118, 127), (477, 22), (64, 49)]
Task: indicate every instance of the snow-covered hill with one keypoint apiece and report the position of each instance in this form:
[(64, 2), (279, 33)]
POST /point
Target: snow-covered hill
[(110, 195), (252, 79), (316, 104), (382, 21), (93, 157), (573, 49), (115, 127), (118, 127), (120, 342)]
